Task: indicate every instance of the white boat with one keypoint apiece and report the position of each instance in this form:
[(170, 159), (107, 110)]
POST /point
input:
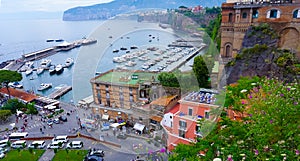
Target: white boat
[(130, 63), (69, 62), (44, 86), (15, 85), (45, 63), (39, 70), (52, 70), (28, 64), (59, 69), (28, 71)]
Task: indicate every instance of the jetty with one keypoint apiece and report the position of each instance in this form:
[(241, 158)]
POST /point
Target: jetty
[(60, 92)]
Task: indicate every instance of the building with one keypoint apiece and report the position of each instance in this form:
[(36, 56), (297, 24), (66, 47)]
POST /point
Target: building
[(125, 95), (181, 123), (238, 16)]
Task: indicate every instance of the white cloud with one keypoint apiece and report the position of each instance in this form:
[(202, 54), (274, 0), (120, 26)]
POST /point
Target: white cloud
[(14, 6)]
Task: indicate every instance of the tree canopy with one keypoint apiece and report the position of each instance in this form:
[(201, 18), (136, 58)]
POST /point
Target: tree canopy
[(9, 76), (201, 71)]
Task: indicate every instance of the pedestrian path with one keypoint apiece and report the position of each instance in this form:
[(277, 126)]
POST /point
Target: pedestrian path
[(48, 155)]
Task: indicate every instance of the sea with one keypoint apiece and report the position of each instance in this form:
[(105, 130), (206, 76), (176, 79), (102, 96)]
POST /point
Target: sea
[(19, 37)]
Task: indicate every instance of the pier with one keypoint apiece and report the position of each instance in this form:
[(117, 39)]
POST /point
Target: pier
[(60, 92)]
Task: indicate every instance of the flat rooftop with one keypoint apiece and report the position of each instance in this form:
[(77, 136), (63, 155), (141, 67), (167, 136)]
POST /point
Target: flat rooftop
[(126, 77)]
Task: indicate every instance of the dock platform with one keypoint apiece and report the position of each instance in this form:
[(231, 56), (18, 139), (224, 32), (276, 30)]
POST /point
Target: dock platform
[(60, 92)]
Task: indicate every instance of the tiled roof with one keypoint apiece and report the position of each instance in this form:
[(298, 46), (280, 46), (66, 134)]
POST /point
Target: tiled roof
[(22, 95), (164, 101), (174, 109)]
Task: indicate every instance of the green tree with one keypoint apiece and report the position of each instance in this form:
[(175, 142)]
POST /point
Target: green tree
[(13, 105), (201, 71), (4, 115), (7, 76), (168, 79)]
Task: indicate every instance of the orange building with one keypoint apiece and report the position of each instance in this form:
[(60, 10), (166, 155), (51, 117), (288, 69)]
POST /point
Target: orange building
[(182, 125)]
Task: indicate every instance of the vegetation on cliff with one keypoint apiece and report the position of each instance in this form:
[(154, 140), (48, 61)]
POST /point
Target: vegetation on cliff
[(268, 130), (261, 57)]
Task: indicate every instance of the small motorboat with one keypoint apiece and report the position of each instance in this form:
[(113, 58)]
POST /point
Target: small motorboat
[(59, 69), (40, 70), (52, 70), (44, 86), (69, 62), (28, 71)]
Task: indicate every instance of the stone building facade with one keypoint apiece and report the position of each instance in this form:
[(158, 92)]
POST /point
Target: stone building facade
[(238, 16)]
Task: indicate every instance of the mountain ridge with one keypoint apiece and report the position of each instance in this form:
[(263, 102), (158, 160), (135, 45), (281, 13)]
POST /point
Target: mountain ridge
[(107, 10)]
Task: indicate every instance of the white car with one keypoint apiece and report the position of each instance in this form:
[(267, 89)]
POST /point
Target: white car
[(75, 145), (2, 155), (55, 145)]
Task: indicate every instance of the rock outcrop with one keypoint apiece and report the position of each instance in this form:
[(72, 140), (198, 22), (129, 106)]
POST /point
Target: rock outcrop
[(261, 57)]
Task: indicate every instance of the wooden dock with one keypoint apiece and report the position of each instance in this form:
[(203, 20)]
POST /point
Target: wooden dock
[(60, 92)]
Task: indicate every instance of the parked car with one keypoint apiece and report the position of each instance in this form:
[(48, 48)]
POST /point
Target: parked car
[(55, 145), (3, 150), (75, 145), (94, 155), (49, 122), (2, 155), (57, 121), (39, 144), (19, 144), (63, 118)]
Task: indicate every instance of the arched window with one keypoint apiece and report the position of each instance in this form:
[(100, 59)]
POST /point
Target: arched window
[(230, 17), (244, 15), (227, 50), (274, 13), (296, 13)]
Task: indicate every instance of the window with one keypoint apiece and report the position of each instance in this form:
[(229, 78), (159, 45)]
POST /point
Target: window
[(130, 98), (230, 17), (244, 15), (182, 125), (255, 14), (206, 114), (99, 96), (181, 133), (296, 13), (190, 112), (97, 85), (107, 95), (121, 97), (130, 90), (120, 89), (140, 118), (227, 50), (274, 13)]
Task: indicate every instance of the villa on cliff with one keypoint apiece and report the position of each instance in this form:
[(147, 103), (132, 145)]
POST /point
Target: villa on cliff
[(237, 16)]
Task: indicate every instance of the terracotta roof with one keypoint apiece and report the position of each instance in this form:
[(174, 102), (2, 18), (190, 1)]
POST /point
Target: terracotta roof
[(156, 118), (22, 95), (174, 109), (163, 101)]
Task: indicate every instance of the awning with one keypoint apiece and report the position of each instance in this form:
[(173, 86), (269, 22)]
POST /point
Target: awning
[(114, 125), (139, 127), (105, 117)]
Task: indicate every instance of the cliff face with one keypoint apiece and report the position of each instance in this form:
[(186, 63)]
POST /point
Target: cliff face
[(261, 57), (108, 10)]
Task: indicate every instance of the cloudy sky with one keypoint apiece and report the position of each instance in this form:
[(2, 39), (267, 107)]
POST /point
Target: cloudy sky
[(16, 6)]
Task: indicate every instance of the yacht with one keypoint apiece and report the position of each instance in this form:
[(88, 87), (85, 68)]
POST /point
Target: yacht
[(130, 63), (45, 63), (29, 64), (59, 69), (15, 85), (39, 70), (44, 86), (28, 71), (69, 62), (52, 70)]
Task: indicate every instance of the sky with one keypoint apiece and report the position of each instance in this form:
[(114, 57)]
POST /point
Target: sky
[(19, 6)]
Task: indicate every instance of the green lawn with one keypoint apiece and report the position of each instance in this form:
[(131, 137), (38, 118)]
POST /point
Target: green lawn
[(72, 155), (23, 155)]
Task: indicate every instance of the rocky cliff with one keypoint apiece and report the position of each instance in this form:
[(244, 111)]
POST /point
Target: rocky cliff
[(108, 10), (261, 57)]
